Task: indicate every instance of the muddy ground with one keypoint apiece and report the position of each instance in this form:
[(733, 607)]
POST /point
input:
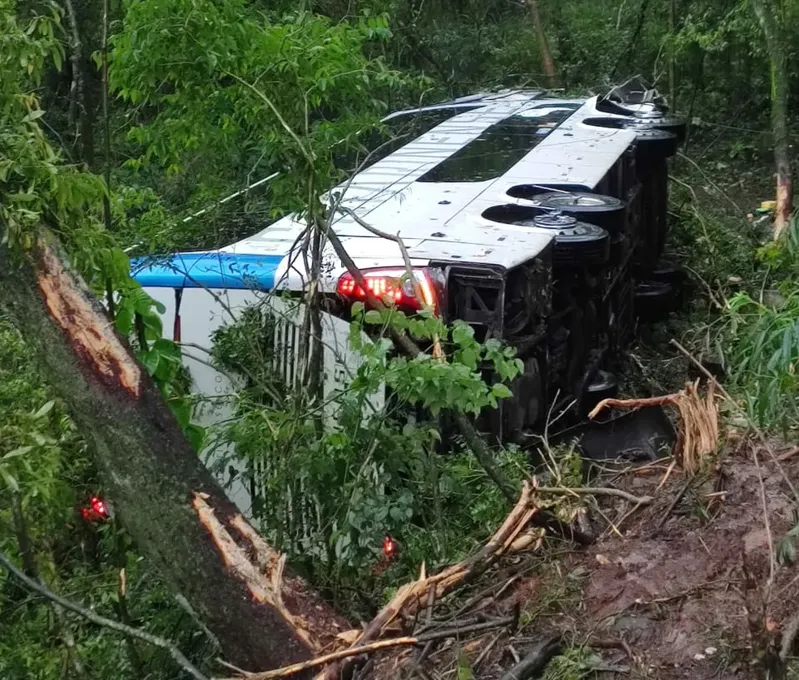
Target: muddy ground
[(662, 593)]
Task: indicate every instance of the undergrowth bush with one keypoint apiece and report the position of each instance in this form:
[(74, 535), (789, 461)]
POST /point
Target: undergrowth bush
[(328, 499), (48, 467), (762, 337)]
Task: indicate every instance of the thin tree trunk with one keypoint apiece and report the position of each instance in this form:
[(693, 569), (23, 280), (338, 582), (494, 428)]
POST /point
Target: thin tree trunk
[(778, 62), (79, 93), (672, 66), (543, 43), (625, 56), (106, 125), (178, 515)]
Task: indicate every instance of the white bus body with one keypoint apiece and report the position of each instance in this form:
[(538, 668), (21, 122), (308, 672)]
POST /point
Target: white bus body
[(423, 192)]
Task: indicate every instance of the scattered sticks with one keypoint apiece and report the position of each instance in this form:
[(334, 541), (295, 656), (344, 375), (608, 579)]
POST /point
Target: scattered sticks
[(595, 491), (406, 641), (535, 661)]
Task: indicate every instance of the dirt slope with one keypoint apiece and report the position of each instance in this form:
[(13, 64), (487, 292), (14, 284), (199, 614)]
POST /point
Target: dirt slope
[(663, 596)]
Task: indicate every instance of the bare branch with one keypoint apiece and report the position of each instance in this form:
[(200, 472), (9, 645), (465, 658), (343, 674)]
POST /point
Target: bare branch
[(595, 491), (154, 640), (406, 641)]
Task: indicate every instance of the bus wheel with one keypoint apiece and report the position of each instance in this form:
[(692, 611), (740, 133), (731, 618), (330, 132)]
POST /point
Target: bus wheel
[(654, 300), (523, 410)]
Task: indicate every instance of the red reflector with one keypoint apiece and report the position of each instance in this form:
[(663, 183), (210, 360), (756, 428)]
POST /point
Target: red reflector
[(389, 547), (393, 287), (97, 510)]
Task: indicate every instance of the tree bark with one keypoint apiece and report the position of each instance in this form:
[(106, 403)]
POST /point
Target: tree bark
[(262, 616), (543, 43), (672, 65), (778, 63), (80, 97)]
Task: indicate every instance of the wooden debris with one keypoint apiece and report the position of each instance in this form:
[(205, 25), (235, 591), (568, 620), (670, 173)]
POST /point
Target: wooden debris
[(405, 641), (535, 661), (698, 433), (413, 596)]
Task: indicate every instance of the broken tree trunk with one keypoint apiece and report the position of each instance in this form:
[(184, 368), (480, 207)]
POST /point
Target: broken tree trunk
[(778, 63), (178, 515)]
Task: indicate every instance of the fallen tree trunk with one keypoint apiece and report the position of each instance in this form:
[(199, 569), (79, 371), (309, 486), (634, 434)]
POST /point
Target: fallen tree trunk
[(178, 515)]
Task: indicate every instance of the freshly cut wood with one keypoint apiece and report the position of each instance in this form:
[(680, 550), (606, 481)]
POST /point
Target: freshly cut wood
[(413, 596), (698, 432), (262, 616)]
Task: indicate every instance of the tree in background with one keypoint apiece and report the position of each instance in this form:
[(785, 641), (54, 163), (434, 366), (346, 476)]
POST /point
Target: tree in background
[(543, 43), (769, 16)]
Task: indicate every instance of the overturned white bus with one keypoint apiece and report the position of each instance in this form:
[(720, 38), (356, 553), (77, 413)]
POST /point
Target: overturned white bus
[(532, 218)]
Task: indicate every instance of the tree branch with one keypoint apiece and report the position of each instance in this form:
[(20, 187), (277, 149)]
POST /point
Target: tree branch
[(595, 491), (154, 640), (406, 641)]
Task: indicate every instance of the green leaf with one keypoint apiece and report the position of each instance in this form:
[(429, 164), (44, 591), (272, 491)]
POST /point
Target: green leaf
[(44, 410), (786, 551), (501, 391), (33, 115), (21, 451), (150, 360), (124, 320), (10, 480), (465, 671), (373, 317)]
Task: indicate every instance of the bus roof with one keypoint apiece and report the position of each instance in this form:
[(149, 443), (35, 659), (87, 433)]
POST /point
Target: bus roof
[(434, 190)]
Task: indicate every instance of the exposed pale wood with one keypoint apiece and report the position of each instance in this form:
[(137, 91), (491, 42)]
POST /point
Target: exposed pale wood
[(151, 472)]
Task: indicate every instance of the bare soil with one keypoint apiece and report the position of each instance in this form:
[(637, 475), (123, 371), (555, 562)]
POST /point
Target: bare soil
[(660, 594)]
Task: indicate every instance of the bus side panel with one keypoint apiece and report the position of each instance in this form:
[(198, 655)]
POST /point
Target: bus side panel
[(201, 313)]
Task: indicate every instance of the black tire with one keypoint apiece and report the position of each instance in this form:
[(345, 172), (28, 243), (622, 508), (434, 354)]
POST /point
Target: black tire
[(676, 126), (604, 385), (654, 143), (650, 141), (669, 272), (654, 300), (604, 211), (577, 244)]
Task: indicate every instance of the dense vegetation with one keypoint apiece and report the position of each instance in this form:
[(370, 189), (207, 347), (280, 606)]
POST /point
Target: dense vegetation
[(119, 120)]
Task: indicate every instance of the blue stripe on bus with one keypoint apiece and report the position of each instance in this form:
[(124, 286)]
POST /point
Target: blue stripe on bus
[(212, 269)]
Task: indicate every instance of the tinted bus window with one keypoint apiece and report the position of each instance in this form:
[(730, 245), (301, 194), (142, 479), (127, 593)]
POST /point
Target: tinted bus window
[(401, 130), (500, 146)]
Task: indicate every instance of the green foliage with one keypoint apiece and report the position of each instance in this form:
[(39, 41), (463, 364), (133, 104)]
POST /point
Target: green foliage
[(764, 355), (328, 500), (718, 248), (762, 329), (232, 90), (575, 663), (426, 380)]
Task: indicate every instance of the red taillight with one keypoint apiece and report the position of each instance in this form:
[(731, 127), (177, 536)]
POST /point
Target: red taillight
[(97, 510), (392, 286)]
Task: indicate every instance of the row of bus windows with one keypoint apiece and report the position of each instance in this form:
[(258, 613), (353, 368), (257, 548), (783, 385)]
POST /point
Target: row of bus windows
[(489, 156)]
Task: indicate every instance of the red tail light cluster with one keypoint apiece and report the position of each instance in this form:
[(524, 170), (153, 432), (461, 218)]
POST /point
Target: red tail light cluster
[(392, 286), (97, 510)]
